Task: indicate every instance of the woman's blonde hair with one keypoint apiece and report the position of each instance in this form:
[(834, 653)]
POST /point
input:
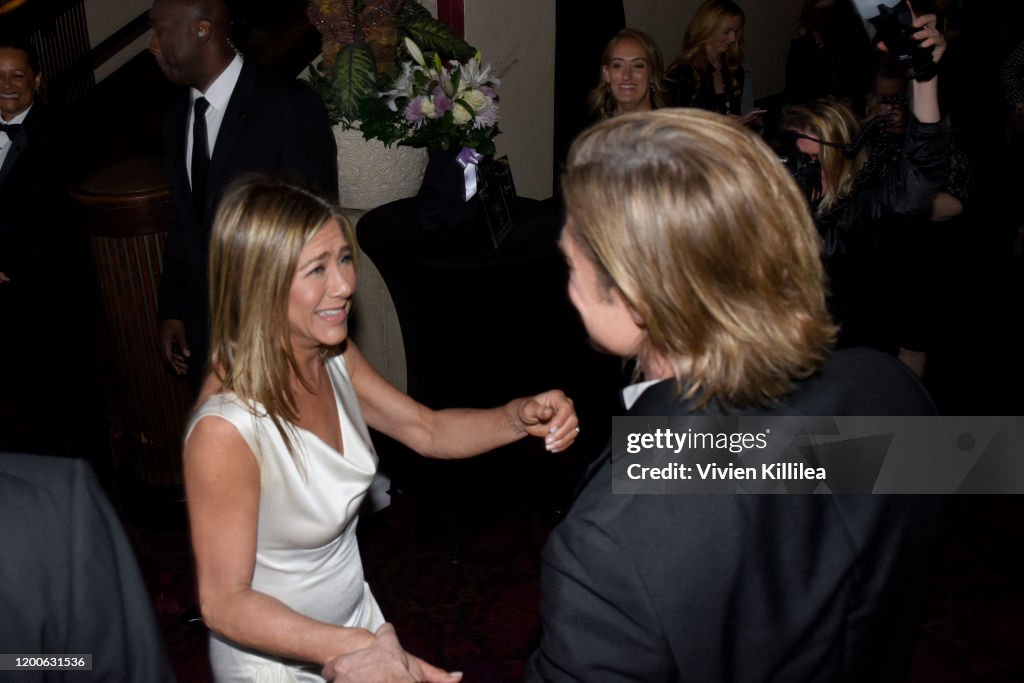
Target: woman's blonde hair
[(707, 23), (602, 101), (710, 241), (259, 231), (833, 122)]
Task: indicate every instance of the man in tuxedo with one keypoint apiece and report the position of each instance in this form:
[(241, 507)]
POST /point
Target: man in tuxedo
[(231, 119), (69, 582), (46, 355)]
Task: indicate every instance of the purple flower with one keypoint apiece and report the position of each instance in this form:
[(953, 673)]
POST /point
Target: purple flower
[(487, 116), (414, 113), (442, 102)]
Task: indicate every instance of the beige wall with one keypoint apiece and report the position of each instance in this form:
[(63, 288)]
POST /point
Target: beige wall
[(769, 25), (518, 39), (104, 17)]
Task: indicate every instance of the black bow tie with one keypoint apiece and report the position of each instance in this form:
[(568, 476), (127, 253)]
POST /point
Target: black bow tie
[(11, 129)]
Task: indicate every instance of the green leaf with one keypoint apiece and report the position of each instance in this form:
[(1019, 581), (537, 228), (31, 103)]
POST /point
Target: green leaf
[(412, 10), (354, 79), (322, 86), (431, 34)]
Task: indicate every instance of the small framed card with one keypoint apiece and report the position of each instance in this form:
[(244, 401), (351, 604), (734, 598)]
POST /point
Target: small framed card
[(497, 193)]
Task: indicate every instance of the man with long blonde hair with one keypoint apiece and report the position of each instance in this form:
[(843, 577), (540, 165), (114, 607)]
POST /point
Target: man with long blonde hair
[(692, 251)]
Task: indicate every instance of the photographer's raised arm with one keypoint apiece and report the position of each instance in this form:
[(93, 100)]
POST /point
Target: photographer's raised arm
[(926, 80)]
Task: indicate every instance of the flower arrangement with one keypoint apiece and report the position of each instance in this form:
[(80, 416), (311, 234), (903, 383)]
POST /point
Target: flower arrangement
[(437, 105), (376, 75)]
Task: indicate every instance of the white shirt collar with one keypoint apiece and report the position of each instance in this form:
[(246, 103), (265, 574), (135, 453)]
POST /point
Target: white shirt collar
[(631, 393), (220, 90), (20, 118)]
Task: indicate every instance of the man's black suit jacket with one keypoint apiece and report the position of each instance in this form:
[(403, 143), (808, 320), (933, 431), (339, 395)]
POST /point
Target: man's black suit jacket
[(37, 239), (46, 308), (742, 587), (271, 125)]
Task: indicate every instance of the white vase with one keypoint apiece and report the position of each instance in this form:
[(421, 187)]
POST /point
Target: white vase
[(370, 174)]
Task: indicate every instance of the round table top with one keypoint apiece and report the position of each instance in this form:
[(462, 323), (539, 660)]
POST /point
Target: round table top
[(139, 179)]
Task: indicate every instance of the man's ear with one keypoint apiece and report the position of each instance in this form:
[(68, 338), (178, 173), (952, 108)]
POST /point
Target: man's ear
[(636, 317), (633, 314), (202, 29)]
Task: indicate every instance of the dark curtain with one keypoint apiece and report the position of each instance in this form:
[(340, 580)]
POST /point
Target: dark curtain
[(582, 29)]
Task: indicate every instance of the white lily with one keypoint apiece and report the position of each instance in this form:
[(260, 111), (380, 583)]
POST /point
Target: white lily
[(474, 73), (415, 52), (403, 86)]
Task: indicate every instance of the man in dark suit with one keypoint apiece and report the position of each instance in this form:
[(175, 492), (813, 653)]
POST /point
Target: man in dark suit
[(248, 121), (46, 354), (716, 288), (69, 582)]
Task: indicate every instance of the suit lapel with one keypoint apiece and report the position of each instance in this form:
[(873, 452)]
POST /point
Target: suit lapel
[(18, 145), (231, 128), (177, 121)]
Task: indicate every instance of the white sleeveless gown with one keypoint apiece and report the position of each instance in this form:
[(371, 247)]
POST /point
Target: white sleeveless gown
[(306, 551)]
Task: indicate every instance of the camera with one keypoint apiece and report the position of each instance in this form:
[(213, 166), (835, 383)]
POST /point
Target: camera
[(894, 27), (803, 168)]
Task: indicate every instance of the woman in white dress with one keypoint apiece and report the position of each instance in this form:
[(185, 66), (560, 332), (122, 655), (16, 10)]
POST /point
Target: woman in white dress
[(277, 454)]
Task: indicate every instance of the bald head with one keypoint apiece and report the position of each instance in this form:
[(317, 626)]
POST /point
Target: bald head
[(190, 40)]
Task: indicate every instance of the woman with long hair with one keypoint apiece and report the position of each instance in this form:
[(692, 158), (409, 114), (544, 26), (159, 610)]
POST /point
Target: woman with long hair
[(632, 76), (278, 454), (709, 71)]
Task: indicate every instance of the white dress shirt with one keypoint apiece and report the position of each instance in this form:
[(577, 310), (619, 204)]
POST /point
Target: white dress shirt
[(5, 142), (218, 95)]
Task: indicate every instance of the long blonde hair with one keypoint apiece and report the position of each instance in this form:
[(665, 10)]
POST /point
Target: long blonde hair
[(833, 122), (710, 241), (259, 231), (707, 24)]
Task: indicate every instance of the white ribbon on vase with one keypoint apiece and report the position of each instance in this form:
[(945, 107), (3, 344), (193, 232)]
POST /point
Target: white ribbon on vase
[(469, 159)]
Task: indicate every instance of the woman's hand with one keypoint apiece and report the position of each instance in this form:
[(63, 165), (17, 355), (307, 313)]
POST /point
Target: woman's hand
[(928, 35), (384, 662), (550, 415)]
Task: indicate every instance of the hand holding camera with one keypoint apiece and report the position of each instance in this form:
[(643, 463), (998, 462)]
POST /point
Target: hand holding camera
[(910, 39)]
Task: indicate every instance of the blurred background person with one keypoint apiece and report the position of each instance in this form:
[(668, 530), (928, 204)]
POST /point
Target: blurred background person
[(47, 348), (247, 119), (830, 55), (709, 72), (863, 187), (632, 76)]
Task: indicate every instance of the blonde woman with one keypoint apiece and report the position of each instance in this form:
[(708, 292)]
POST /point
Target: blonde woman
[(709, 72), (862, 186), (632, 76), (692, 251), (277, 453)]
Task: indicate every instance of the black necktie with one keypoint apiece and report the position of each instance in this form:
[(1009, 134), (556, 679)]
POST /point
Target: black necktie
[(200, 156), (11, 129)]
